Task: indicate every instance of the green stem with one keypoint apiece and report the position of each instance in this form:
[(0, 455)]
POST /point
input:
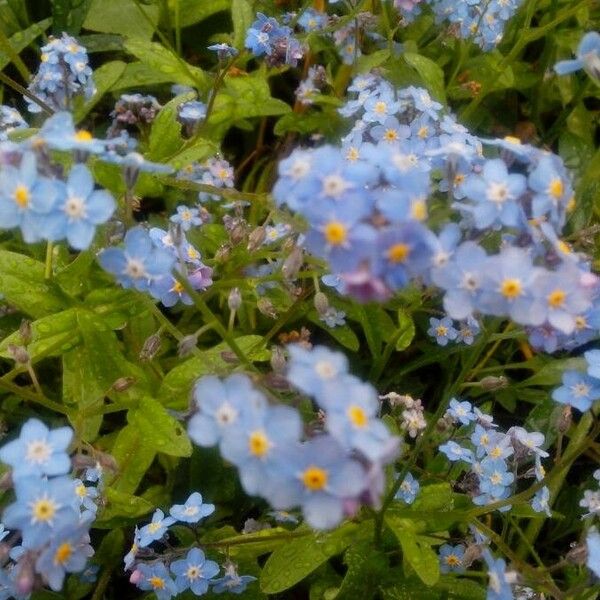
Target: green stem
[(33, 397), (8, 49), (48, 268), (25, 92), (177, 27)]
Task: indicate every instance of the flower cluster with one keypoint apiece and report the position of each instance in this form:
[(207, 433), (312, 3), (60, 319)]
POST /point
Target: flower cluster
[(367, 205), (133, 110), (64, 73), (588, 57), (44, 206), (266, 37), (581, 390), (494, 457), (51, 515), (329, 475), (444, 331), (216, 172), (478, 19), (148, 259), (153, 563)]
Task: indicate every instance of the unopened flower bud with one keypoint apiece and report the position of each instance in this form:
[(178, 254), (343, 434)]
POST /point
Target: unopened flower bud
[(234, 300), (492, 384), (565, 419), (293, 263), (222, 254), (25, 578), (19, 353), (472, 553), (150, 348), (229, 357), (238, 233), (136, 576), (123, 383), (578, 554), (187, 345), (321, 303), (277, 359), (265, 306), (25, 331), (256, 238), (131, 169)]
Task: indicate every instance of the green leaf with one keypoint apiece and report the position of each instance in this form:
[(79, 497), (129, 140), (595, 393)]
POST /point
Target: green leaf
[(23, 285), (165, 135), (137, 74), (167, 63), (177, 384), (242, 15), (159, 429), (430, 72), (51, 336), (20, 40), (121, 506), (300, 557), (194, 11), (551, 373), (122, 16), (366, 565), (105, 77), (196, 151), (133, 456), (417, 552), (407, 328), (437, 496)]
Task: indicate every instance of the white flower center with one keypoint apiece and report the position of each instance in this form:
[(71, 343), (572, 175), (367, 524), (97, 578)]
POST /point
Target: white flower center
[(38, 452), (74, 207)]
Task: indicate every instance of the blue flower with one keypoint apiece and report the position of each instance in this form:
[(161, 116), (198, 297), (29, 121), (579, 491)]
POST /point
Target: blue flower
[(333, 317), (38, 450), (194, 572), (26, 199), (312, 20), (222, 405), (58, 133), (231, 582), (3, 532), (352, 408), (42, 508), (139, 263), (498, 587), (130, 557), (155, 577), (81, 208), (451, 558), (442, 330), (191, 113), (593, 363), (85, 495), (67, 552), (408, 490), (156, 529), (193, 510), (494, 477), (468, 330), (257, 443), (10, 119), (593, 551), (461, 411), (552, 190), (540, 501), (577, 390), (223, 51), (496, 194), (186, 217), (454, 452), (588, 57), (318, 476), (315, 371)]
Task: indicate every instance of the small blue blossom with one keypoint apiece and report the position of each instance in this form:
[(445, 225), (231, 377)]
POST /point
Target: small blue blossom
[(186, 217), (461, 411), (454, 452), (193, 510), (593, 551), (156, 578), (540, 502), (333, 317), (451, 558), (592, 358), (588, 57), (231, 582), (194, 572), (494, 477), (38, 450), (498, 587), (223, 51), (408, 490), (442, 330), (156, 529), (578, 390)]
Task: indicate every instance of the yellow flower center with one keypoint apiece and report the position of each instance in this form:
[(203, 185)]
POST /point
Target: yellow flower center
[(63, 553), (580, 322), (512, 140), (336, 233), (556, 188), (380, 107), (398, 253), (258, 444), (390, 135), (352, 154), (22, 196), (81, 490), (418, 210), (571, 204), (557, 298), (154, 527), (511, 288), (441, 330), (177, 288), (358, 417), (43, 510), (563, 247), (314, 478), (458, 179), (157, 583), (423, 132), (83, 135), (452, 560)]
